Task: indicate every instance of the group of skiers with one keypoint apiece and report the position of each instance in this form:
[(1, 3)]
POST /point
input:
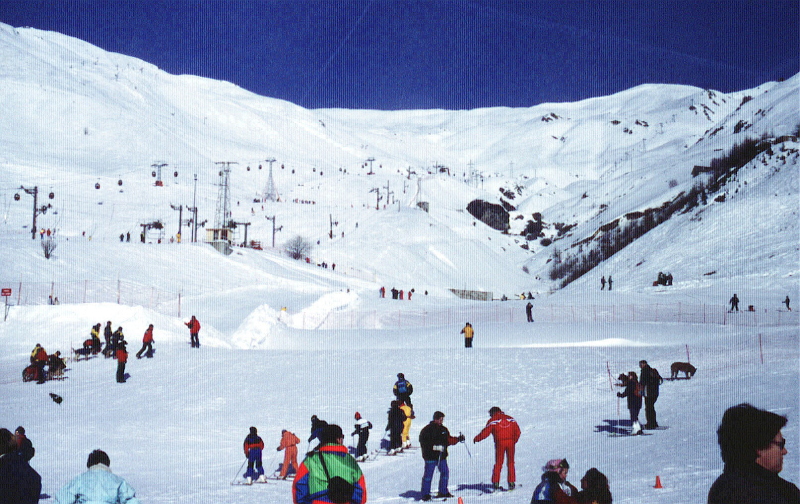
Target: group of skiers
[(642, 388), (397, 294), (39, 359), (329, 473)]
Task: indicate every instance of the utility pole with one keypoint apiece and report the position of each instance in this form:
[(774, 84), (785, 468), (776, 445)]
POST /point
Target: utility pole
[(158, 167), (193, 209), (330, 233), (274, 230), (269, 192), (179, 208), (245, 224), (388, 194), (378, 198), (36, 210), (370, 160), (223, 216)]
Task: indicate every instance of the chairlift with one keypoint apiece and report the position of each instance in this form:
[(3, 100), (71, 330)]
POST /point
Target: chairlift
[(16, 196), (119, 182), (176, 174), (51, 195), (97, 185)]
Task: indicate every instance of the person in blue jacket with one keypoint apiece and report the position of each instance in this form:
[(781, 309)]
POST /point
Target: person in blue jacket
[(19, 482), (98, 484)]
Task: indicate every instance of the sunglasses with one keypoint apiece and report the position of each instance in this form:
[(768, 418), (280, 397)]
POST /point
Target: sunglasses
[(780, 444)]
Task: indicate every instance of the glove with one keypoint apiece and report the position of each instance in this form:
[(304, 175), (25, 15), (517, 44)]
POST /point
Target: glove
[(619, 394), (278, 449), (461, 438)]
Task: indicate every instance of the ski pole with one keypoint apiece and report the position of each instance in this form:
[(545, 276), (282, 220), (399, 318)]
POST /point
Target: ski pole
[(238, 471), (465, 445)]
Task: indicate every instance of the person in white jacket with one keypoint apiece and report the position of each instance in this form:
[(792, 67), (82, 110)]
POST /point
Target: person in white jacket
[(97, 485)]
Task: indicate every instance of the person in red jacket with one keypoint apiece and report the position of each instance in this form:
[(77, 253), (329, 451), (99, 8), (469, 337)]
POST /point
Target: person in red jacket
[(122, 358), (506, 434), (39, 359), (147, 343), (194, 331)]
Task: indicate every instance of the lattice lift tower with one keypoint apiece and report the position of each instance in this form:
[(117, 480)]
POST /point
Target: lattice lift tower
[(270, 193)]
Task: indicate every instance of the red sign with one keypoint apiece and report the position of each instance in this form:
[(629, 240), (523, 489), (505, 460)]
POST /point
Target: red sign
[(5, 292)]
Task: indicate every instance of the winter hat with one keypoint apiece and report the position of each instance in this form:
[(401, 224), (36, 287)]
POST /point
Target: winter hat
[(253, 430), (401, 376), (20, 430), (358, 415), (556, 465)]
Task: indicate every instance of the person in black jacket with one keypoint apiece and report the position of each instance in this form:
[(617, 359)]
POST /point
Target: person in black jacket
[(650, 380), (394, 425), (752, 447), (632, 392), (19, 482), (434, 440), (25, 448)]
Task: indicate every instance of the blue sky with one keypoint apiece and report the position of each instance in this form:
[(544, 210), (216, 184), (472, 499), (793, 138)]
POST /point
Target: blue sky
[(402, 54)]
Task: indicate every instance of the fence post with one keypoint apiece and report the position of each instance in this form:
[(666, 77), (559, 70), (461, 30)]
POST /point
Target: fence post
[(761, 348), (119, 287), (85, 287), (19, 294)]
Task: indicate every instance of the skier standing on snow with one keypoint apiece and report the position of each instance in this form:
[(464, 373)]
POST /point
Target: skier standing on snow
[(253, 446), (734, 301), (107, 333), (403, 389), (529, 311), (394, 425), (632, 392), (610, 282), (433, 441), (505, 431), (329, 473), (122, 359), (362, 428), (289, 443), (406, 440), (554, 488), (468, 333), (194, 331), (602, 282), (147, 343), (317, 426), (116, 338), (650, 380), (786, 302)]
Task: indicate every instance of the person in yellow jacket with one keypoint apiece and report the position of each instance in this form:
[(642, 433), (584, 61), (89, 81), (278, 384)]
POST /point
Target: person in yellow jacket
[(468, 333), (289, 443), (404, 436)]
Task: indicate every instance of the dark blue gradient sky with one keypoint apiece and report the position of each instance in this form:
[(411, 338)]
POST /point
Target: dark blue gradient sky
[(404, 54)]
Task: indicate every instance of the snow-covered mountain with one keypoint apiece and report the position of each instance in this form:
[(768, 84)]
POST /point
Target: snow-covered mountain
[(78, 118), (285, 339)]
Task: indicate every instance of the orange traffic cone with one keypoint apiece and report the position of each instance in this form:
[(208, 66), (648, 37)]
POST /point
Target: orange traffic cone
[(658, 482)]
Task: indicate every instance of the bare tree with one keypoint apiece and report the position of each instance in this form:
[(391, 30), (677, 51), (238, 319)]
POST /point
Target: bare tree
[(297, 248), (48, 246)]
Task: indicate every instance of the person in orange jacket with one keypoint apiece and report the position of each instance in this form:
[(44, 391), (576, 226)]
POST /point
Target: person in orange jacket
[(506, 434), (147, 343), (289, 443), (122, 358)]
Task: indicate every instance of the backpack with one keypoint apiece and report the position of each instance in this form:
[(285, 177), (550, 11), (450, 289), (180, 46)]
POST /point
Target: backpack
[(657, 379), (402, 387), (339, 490)]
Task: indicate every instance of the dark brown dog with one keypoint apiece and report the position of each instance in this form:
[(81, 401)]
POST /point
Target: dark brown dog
[(684, 367)]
